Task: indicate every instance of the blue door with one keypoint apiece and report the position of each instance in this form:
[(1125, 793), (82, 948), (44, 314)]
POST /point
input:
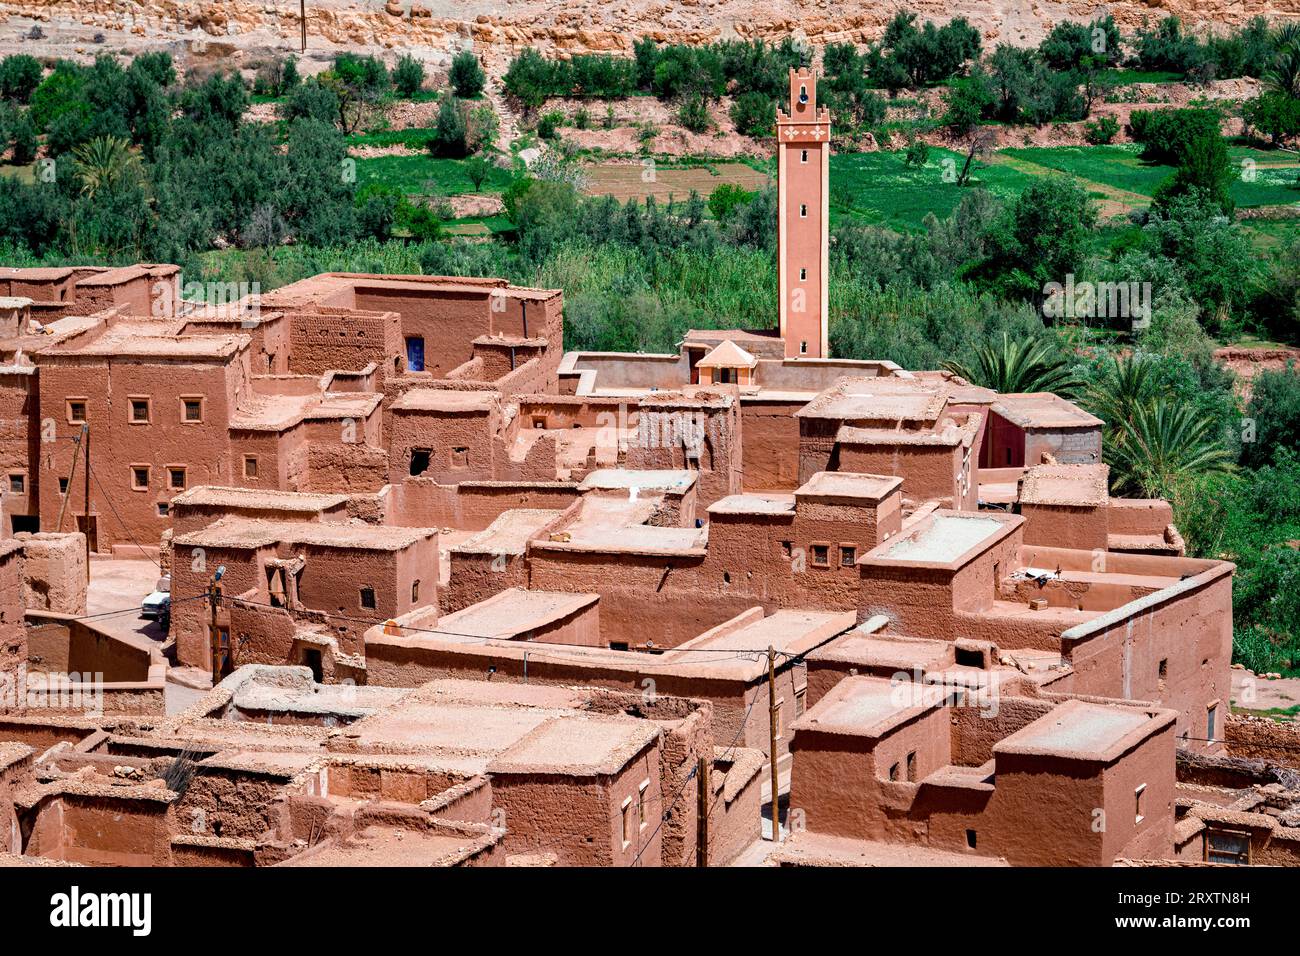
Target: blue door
[(415, 354)]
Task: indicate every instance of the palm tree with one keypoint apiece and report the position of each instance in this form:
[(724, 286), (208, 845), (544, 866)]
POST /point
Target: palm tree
[(1126, 384), (106, 162), (1159, 445), (1021, 366), (1283, 75)]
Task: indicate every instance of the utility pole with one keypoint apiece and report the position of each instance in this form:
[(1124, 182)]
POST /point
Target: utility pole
[(67, 493), (702, 827), (772, 733), (214, 634), (86, 447)]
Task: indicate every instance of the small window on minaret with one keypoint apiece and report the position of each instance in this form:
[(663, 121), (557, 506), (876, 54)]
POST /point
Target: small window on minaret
[(803, 274), (803, 348), (803, 211), (803, 156)]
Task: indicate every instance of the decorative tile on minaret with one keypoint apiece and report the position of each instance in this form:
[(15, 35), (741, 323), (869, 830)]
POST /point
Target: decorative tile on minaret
[(803, 211)]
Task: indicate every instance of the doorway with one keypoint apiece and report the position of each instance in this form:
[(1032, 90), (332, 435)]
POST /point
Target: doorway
[(415, 353)]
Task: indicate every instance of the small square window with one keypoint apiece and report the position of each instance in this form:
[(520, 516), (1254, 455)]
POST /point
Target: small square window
[(76, 411), (821, 555), (848, 554), (893, 772), (140, 477), (1211, 720), (911, 766), (176, 479), (803, 155), (459, 457), (803, 348), (1164, 668), (63, 486), (643, 817), (18, 484), (803, 275), (803, 211), (415, 591), (250, 466), (368, 598), (971, 838), (1137, 802), (191, 409), (139, 410), (164, 509)]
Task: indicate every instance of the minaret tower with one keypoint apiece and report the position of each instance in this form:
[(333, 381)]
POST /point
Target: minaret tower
[(803, 152)]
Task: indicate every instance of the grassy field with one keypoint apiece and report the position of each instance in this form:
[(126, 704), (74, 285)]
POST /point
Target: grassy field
[(880, 188), (425, 176)]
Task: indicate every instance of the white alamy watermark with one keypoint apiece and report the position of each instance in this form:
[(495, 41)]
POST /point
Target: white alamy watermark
[(233, 301), (72, 691), (75, 909), (1098, 300)]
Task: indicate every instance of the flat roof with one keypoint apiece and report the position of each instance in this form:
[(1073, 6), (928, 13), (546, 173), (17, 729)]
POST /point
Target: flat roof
[(514, 611), (794, 631), (445, 400), (751, 503), (903, 654), (386, 846), (806, 848), (869, 706), (1043, 410), (659, 479), (260, 498), (948, 433), (577, 746), (456, 729), (880, 398), (509, 532), (127, 339), (846, 487), (1082, 486), (234, 531), (943, 537), (1082, 730)]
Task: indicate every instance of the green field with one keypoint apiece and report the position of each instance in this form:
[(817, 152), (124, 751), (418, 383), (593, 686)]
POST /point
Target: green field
[(1274, 180), (879, 187), (425, 176)]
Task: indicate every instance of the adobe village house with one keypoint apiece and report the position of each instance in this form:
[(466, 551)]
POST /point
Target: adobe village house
[(484, 601)]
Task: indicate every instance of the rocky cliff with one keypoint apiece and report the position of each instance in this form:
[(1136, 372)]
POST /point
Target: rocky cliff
[(497, 28)]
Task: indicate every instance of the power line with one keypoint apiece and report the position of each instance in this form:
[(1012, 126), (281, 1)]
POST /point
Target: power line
[(113, 508)]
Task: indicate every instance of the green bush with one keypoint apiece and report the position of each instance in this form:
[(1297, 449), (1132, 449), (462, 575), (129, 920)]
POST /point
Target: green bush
[(1102, 131), (694, 114), (548, 126), (408, 76), (754, 114), (467, 76)]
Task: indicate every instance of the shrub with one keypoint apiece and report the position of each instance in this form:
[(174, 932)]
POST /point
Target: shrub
[(449, 129), (408, 76), (1101, 131), (694, 114), (754, 114), (467, 77), (1165, 135), (549, 125)]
